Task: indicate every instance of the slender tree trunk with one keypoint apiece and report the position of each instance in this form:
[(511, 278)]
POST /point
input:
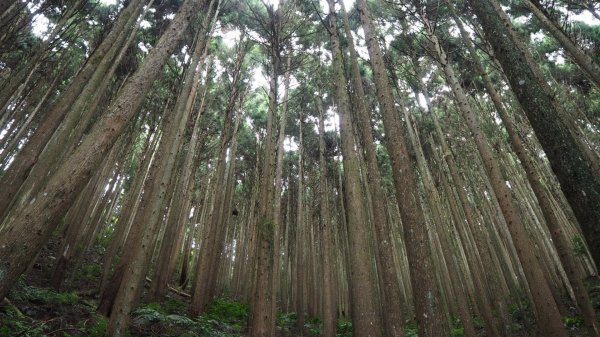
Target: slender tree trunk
[(327, 239), (390, 288), (429, 315), (261, 308), (179, 214), (76, 120), (32, 114), (278, 187), (129, 209), (136, 257), (301, 238), (579, 184), (442, 231), (76, 230), (365, 314), (22, 239), (197, 218), (226, 210), (561, 242), (549, 319), (18, 171), (21, 77), (214, 232)]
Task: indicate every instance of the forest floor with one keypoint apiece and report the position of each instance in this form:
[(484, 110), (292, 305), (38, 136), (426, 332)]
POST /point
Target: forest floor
[(35, 309)]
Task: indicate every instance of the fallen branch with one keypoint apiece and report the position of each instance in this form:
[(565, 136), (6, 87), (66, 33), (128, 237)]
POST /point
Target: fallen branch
[(67, 329), (38, 324), (173, 289)]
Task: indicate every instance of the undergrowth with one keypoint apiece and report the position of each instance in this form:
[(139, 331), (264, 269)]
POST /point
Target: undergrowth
[(223, 318), (31, 311)]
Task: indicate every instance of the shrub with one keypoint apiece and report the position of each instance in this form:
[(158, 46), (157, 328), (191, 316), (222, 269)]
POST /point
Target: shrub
[(573, 322), (228, 311), (344, 328), (98, 327)]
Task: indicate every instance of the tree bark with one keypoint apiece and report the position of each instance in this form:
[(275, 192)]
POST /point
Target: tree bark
[(429, 315), (549, 319), (27, 157), (580, 186), (22, 239), (559, 239), (365, 313), (329, 289)]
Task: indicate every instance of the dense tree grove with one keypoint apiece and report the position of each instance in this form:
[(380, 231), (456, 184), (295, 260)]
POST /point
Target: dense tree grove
[(399, 167)]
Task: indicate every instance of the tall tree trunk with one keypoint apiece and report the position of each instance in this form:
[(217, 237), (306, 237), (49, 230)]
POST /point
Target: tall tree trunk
[(27, 157), (430, 318), (327, 239), (179, 215), (555, 227), (10, 147), (22, 239), (390, 288), (579, 184), (442, 230), (21, 77), (129, 209), (301, 238), (549, 319), (135, 261), (214, 232), (261, 308), (365, 314), (277, 216), (76, 120)]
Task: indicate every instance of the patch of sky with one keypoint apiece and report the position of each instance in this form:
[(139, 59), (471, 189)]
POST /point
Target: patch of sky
[(290, 144), (41, 25), (538, 36), (347, 3), (145, 24), (556, 57), (332, 120)]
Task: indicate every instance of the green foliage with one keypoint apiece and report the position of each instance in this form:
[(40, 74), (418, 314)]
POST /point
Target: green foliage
[(344, 328), (213, 328), (478, 323), (44, 296), (314, 326), (521, 314), (457, 332), (228, 311), (147, 315), (457, 329), (14, 323), (286, 321), (515, 310), (578, 245), (89, 271), (411, 330), (223, 318), (573, 321), (98, 327), (180, 320), (175, 306)]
